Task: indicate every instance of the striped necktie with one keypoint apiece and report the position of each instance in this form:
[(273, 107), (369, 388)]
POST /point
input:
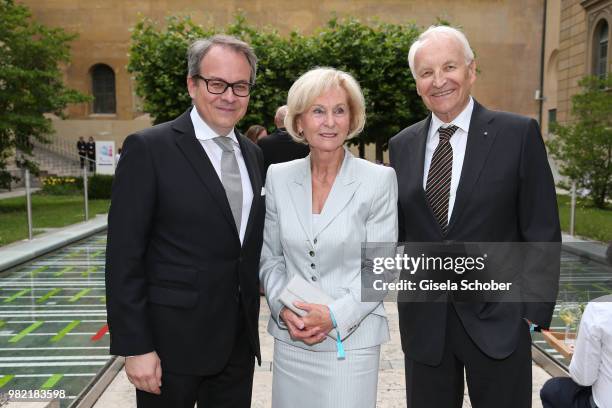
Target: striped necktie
[(439, 177)]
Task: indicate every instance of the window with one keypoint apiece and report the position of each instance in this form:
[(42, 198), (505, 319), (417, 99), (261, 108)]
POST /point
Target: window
[(600, 66), (103, 89), (552, 116)]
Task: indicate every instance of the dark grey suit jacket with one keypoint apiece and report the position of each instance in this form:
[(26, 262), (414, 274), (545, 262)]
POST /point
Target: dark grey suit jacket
[(279, 147), (506, 193)]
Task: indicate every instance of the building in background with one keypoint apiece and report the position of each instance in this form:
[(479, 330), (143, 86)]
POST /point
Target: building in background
[(530, 53), (577, 44)]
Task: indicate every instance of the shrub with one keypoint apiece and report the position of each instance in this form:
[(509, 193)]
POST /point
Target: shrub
[(99, 186), (62, 185)]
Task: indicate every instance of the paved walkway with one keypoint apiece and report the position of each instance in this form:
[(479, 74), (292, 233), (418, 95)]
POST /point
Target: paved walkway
[(589, 249), (16, 192), (22, 251), (121, 393), (391, 391)]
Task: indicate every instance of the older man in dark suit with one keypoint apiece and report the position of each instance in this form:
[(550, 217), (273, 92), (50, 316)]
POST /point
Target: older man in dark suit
[(468, 174), (279, 146), (184, 240)]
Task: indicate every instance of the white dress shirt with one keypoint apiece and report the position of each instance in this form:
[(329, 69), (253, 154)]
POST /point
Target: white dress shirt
[(206, 135), (592, 361), (458, 143)]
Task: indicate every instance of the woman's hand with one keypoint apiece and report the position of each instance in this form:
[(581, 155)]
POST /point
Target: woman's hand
[(317, 319), (298, 330)]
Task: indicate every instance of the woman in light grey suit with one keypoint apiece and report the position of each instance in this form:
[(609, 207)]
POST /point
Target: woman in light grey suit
[(319, 210)]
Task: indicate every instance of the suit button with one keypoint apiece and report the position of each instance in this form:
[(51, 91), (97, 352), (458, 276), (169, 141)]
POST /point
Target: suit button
[(312, 265), (313, 278), (240, 259), (311, 253)]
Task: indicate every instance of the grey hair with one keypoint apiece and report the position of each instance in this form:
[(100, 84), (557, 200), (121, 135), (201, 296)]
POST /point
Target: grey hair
[(281, 112), (199, 48), (437, 32)]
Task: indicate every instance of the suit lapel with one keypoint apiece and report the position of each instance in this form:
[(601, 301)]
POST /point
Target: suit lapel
[(342, 191), (418, 158), (480, 138), (300, 191), (250, 160), (198, 159)]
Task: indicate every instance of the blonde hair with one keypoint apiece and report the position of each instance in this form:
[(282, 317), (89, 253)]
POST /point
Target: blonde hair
[(315, 83)]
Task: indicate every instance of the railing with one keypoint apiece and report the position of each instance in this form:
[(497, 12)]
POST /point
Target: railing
[(58, 157), (28, 192), (61, 147)]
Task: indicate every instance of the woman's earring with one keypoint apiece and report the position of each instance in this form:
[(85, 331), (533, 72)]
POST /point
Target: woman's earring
[(301, 133)]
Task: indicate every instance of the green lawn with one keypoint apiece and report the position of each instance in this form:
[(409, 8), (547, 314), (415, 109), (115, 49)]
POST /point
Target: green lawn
[(48, 211), (590, 222), (58, 211)]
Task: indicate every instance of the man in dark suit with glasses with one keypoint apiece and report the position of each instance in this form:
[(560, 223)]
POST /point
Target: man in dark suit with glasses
[(184, 240)]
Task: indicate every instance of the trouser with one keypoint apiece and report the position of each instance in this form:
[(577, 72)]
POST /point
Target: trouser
[(231, 388), (504, 383), (563, 392)]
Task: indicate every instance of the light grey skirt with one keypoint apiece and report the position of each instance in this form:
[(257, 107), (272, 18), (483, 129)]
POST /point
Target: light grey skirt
[(303, 378)]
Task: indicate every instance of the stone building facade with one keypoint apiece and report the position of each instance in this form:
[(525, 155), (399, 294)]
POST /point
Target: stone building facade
[(578, 39), (506, 35)]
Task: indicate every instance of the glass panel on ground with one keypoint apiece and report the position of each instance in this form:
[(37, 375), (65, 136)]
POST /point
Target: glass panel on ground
[(53, 334), (582, 280)]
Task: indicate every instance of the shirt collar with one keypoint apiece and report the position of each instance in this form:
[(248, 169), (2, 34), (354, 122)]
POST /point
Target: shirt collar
[(203, 131), (462, 121)]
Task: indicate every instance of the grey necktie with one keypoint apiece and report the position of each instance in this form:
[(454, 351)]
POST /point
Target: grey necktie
[(230, 177)]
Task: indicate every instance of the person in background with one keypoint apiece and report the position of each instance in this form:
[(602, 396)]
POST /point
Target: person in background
[(256, 132), (117, 156), (319, 212), (82, 150), (91, 154), (279, 146), (590, 382)]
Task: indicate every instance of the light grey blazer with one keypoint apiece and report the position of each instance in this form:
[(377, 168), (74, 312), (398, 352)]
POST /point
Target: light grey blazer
[(361, 207)]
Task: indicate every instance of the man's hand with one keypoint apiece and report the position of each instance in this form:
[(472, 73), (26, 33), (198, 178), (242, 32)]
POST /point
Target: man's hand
[(144, 371)]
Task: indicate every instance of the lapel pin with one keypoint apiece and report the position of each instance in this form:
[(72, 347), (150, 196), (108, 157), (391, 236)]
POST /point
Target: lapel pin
[(486, 133)]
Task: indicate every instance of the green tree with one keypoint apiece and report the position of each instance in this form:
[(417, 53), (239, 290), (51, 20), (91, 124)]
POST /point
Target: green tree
[(30, 83), (375, 55), (281, 60), (158, 62), (584, 146)]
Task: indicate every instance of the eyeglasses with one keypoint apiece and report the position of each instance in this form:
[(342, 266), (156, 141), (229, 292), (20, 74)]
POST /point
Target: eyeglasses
[(219, 86)]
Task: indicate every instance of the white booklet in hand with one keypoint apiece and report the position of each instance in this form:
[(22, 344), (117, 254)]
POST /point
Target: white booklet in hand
[(298, 289)]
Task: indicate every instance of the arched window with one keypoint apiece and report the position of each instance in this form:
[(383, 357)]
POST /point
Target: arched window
[(103, 89), (600, 49)]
